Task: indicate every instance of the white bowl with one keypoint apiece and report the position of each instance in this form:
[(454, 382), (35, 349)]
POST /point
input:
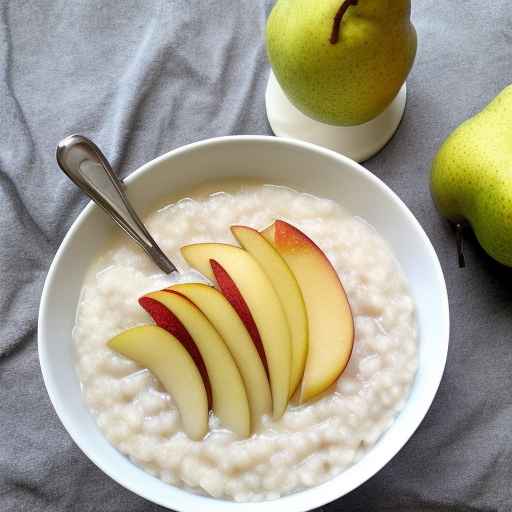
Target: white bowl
[(301, 166)]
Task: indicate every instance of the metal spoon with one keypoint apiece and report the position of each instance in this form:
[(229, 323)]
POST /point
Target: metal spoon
[(86, 166)]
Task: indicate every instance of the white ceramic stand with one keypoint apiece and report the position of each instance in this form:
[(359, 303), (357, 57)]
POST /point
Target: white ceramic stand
[(357, 142)]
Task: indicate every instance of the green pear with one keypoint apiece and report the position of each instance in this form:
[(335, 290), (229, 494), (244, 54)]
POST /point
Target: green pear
[(341, 62), (472, 177)]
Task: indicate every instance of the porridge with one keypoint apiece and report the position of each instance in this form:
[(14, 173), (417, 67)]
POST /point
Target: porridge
[(309, 443)]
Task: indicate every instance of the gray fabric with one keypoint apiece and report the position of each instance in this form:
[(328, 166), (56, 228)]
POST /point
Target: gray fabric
[(143, 77)]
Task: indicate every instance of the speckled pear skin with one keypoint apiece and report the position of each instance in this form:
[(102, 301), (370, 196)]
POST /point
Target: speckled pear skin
[(354, 80), (472, 177)]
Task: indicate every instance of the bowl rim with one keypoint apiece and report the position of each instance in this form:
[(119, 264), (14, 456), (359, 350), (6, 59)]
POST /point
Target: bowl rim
[(300, 501)]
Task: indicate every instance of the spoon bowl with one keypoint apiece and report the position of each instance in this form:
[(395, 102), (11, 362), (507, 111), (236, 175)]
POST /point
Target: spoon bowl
[(87, 167)]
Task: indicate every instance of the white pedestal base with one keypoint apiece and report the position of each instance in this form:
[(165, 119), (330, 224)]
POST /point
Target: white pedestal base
[(357, 142)]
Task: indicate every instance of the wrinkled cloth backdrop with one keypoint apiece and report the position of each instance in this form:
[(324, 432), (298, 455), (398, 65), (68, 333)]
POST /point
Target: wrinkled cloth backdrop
[(142, 78)]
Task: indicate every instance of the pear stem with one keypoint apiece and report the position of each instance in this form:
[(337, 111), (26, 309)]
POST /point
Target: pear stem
[(459, 237), (335, 34)]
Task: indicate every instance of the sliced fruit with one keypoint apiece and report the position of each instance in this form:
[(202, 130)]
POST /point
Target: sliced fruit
[(288, 291), (242, 280), (168, 321), (330, 322), (232, 330), (156, 349), (230, 402), (230, 290)]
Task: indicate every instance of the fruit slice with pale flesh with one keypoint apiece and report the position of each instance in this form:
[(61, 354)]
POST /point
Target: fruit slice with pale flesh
[(232, 330), (156, 349), (231, 291), (230, 402), (288, 291), (330, 322), (168, 321), (242, 281)]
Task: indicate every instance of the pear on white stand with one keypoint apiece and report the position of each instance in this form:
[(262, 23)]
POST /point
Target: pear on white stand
[(339, 71)]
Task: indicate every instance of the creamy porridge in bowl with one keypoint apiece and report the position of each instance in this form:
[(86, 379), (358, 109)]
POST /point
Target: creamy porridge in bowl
[(265, 423), (310, 442)]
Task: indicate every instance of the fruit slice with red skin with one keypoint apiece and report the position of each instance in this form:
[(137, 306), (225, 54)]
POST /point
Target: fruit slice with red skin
[(257, 291), (156, 349), (287, 288), (167, 320), (330, 321), (230, 290), (225, 319), (230, 401)]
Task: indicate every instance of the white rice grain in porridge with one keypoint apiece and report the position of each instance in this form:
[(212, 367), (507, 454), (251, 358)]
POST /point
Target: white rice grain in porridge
[(309, 444)]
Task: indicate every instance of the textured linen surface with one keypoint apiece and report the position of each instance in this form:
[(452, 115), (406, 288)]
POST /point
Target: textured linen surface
[(144, 77)]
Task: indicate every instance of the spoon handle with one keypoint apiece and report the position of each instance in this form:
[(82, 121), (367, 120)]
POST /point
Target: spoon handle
[(84, 163)]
